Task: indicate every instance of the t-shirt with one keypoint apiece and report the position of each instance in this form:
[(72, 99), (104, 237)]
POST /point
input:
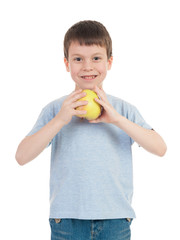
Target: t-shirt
[(91, 174)]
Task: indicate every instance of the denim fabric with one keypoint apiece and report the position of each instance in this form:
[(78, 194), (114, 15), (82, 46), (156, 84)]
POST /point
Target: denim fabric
[(75, 229)]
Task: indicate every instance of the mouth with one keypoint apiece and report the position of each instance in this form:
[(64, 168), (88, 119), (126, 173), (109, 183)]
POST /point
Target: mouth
[(89, 77)]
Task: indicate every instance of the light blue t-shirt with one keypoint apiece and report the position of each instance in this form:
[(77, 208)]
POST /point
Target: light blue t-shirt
[(91, 165)]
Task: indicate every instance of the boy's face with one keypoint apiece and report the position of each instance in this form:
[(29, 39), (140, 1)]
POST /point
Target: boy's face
[(88, 65)]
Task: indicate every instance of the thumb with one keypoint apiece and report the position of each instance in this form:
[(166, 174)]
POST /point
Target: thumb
[(95, 121)]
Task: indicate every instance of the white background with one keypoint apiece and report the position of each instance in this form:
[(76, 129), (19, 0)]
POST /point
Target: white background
[(145, 72)]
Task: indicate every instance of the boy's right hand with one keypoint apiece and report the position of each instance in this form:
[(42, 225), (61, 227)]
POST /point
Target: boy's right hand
[(69, 106)]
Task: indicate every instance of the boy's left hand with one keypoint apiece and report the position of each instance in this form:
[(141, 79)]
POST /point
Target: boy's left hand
[(109, 114)]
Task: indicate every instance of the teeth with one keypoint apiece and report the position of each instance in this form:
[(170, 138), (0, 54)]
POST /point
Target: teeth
[(89, 77)]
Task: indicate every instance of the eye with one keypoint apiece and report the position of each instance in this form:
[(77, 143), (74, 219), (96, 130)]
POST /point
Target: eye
[(96, 58), (77, 59)]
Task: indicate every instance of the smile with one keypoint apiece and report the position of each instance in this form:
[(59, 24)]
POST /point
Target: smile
[(89, 77)]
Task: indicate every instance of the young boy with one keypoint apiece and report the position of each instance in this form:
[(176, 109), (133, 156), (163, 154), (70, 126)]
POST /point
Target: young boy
[(91, 162)]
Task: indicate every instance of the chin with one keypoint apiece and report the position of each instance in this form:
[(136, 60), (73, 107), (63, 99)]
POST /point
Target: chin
[(87, 86)]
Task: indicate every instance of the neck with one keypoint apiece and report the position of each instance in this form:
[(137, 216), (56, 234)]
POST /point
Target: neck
[(78, 87)]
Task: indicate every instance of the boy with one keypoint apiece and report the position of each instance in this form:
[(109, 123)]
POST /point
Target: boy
[(91, 164)]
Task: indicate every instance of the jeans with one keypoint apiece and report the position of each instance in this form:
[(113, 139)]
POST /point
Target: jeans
[(75, 229)]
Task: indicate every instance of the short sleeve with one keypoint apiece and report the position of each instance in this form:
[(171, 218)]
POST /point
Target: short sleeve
[(45, 116), (136, 117)]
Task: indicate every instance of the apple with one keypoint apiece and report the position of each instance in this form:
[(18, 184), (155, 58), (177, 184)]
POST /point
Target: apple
[(93, 108)]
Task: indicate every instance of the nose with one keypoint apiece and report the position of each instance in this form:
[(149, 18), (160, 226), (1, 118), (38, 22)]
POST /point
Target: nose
[(87, 66)]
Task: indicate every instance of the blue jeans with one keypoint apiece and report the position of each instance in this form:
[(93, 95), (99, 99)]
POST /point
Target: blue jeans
[(75, 229)]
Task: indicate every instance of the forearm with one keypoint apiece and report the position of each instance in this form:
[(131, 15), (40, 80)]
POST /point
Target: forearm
[(148, 139), (32, 146)]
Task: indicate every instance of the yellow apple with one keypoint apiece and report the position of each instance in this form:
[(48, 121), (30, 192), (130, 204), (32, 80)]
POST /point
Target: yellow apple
[(93, 108)]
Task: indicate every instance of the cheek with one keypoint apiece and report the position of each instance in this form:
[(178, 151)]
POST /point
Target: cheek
[(103, 69), (74, 73), (72, 70)]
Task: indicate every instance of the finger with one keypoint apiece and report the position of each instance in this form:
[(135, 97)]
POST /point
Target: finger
[(75, 92), (77, 96), (95, 121), (72, 94), (79, 103), (101, 102), (100, 93), (80, 112)]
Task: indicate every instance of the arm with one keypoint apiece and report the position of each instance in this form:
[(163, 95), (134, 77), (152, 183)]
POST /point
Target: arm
[(32, 146), (148, 139)]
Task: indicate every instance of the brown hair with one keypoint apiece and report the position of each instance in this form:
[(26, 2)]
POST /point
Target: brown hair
[(88, 33)]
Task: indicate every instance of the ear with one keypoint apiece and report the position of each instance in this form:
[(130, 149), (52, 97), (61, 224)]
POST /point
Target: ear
[(66, 64), (110, 61)]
